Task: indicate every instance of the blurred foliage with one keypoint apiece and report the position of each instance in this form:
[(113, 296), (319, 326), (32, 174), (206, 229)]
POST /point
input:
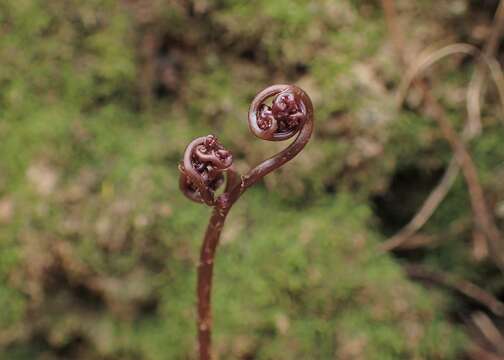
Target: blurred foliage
[(98, 248)]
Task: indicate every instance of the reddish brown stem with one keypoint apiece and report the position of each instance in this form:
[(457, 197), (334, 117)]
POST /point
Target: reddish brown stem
[(205, 276), (205, 162)]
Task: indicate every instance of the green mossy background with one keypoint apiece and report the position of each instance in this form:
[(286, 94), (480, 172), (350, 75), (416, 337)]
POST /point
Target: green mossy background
[(97, 246)]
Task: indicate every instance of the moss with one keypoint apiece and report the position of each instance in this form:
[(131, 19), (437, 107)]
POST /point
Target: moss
[(97, 255)]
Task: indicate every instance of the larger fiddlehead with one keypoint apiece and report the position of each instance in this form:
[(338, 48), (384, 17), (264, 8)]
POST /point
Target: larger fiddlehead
[(290, 113)]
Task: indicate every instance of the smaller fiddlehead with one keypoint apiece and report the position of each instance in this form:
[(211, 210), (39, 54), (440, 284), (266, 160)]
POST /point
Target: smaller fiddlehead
[(202, 169)]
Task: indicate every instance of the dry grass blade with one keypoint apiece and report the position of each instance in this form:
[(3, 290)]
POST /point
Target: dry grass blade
[(490, 332), (471, 130), (477, 88), (464, 287), (478, 353), (439, 193), (426, 211), (483, 217), (425, 61), (497, 76), (473, 94)]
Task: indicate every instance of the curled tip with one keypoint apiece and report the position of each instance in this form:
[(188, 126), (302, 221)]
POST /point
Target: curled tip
[(290, 109), (202, 169)]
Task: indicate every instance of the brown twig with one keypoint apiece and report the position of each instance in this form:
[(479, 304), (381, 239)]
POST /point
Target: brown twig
[(461, 155), (476, 352), (441, 190), (464, 287), (206, 161), (476, 95), (394, 30), (426, 211), (489, 331), (144, 15), (483, 217), (439, 193), (477, 89)]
